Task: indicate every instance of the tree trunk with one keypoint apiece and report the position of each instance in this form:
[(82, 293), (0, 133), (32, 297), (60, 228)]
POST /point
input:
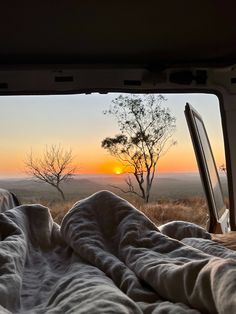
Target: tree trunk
[(61, 192), (148, 189), (140, 184), (148, 186), (149, 181)]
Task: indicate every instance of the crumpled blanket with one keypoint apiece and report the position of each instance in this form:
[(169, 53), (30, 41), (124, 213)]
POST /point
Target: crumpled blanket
[(107, 257), (7, 200)]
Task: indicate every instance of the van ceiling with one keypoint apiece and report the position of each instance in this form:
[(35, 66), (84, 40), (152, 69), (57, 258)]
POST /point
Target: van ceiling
[(157, 34)]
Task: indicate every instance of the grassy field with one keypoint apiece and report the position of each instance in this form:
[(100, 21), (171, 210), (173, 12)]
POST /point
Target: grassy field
[(174, 197), (191, 209)]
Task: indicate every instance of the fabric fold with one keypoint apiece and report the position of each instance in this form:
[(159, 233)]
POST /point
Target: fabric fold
[(107, 257)]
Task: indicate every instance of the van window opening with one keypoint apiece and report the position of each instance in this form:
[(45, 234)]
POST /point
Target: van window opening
[(75, 126)]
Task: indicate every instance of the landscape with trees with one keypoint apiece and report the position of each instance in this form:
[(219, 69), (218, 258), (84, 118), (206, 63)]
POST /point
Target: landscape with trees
[(135, 145)]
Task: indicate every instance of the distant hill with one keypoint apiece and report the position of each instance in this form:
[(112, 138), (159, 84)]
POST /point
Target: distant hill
[(165, 186)]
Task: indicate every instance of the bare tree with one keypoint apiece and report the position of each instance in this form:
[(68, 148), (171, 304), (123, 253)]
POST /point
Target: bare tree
[(146, 131), (54, 167)]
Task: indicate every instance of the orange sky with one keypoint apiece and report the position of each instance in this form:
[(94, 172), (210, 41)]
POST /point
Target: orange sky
[(76, 122), (176, 160)]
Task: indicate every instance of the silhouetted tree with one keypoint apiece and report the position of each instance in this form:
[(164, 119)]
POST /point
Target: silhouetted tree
[(54, 167), (146, 129)]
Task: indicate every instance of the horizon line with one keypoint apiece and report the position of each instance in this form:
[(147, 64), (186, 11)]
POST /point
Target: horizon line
[(17, 176)]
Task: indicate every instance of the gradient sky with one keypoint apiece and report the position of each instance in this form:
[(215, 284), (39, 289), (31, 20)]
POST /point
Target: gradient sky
[(77, 122)]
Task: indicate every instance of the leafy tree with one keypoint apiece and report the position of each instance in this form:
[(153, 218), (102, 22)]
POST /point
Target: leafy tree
[(146, 129), (54, 167)]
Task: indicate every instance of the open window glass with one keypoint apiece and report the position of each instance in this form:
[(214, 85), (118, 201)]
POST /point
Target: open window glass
[(219, 214)]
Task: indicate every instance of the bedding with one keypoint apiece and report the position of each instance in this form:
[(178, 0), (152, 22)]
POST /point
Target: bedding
[(7, 200), (227, 239), (107, 257)]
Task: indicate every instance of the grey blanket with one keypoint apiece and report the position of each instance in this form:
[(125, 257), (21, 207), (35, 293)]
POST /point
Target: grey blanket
[(107, 257), (7, 200)]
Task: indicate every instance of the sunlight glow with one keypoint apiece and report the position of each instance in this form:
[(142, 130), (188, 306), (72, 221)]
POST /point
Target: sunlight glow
[(118, 170)]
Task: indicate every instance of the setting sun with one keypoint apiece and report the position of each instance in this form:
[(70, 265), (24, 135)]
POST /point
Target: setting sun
[(118, 171)]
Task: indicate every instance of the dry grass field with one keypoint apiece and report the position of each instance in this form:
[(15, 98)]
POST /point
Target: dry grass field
[(191, 209)]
